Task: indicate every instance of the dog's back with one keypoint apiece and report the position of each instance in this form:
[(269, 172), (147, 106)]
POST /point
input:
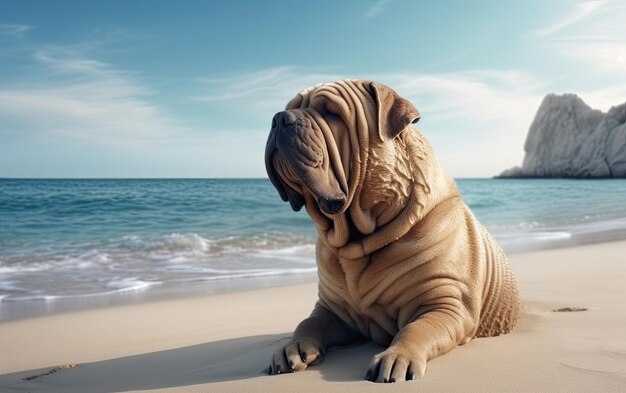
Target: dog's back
[(501, 306)]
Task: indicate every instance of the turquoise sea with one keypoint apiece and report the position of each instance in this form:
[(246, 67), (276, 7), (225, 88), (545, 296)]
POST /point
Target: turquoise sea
[(64, 241)]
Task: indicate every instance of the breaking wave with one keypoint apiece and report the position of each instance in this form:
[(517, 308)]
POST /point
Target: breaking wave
[(133, 263)]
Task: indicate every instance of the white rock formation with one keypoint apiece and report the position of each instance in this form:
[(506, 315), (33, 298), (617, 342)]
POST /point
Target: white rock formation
[(568, 138)]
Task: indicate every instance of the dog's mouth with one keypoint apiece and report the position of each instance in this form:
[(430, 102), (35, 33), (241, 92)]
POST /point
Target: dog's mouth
[(295, 179), (326, 191), (296, 162)]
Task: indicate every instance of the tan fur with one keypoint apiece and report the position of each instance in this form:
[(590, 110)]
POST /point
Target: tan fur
[(404, 263)]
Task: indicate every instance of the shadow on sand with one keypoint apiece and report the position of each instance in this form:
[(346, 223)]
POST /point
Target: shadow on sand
[(218, 361)]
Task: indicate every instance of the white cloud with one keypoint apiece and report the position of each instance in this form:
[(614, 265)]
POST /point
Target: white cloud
[(16, 30), (69, 62), (85, 99), (580, 11), (481, 95), (599, 41), (476, 119), (605, 98), (376, 8), (262, 92), (606, 55)]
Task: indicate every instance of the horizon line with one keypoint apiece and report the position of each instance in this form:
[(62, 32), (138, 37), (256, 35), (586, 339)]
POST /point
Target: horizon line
[(174, 178)]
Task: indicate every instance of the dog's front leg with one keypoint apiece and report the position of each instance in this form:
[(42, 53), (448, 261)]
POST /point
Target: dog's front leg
[(431, 335), (312, 337)]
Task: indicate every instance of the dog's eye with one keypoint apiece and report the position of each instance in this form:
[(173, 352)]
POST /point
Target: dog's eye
[(334, 108), (330, 112)]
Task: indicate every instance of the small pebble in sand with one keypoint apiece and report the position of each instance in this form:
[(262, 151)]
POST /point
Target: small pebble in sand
[(569, 309)]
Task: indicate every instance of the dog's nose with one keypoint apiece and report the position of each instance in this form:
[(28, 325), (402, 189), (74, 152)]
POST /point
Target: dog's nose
[(284, 119), (332, 205)]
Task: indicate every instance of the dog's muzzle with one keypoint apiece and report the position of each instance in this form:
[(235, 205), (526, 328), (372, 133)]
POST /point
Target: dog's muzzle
[(302, 147)]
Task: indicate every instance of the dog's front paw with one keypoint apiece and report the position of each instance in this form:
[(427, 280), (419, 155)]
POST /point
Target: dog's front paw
[(296, 356), (395, 365)]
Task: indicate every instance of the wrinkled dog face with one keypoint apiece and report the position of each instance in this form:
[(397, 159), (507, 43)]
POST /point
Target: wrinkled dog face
[(315, 147), (298, 151)]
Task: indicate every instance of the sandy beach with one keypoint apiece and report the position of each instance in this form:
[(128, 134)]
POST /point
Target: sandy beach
[(223, 343)]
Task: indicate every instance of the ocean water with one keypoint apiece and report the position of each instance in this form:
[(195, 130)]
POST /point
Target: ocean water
[(73, 239)]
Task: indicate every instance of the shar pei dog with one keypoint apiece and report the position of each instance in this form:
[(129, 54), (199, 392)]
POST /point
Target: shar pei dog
[(401, 258)]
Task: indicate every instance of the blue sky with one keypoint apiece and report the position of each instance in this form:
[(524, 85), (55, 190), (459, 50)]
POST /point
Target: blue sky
[(188, 88)]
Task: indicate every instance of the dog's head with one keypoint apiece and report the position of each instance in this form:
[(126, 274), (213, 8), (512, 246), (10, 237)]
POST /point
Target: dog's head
[(317, 150)]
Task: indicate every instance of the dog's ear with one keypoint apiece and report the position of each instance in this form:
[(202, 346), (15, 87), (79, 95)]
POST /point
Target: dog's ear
[(394, 112)]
